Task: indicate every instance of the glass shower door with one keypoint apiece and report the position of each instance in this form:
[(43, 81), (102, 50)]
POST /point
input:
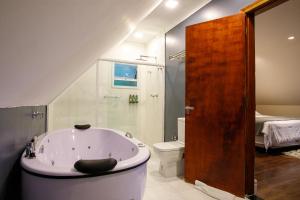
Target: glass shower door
[(142, 118), (113, 107)]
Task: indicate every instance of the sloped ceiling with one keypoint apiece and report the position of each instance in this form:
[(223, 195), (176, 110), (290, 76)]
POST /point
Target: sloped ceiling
[(45, 45), (162, 19), (277, 58)]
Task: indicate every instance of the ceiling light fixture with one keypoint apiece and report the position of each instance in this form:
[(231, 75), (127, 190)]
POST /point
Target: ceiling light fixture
[(171, 4), (138, 35), (211, 14), (291, 37)]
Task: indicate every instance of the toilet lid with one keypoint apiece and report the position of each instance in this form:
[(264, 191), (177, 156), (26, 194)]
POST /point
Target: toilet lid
[(169, 146)]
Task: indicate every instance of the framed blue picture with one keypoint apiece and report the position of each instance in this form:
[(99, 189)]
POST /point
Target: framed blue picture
[(125, 75)]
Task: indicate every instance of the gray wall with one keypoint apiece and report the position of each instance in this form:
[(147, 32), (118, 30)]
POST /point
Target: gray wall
[(175, 70), (16, 129)]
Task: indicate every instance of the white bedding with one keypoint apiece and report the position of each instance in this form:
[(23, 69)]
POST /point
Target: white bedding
[(280, 132)]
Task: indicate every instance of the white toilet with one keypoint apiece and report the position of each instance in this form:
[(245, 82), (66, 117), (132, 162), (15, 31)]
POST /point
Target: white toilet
[(171, 153)]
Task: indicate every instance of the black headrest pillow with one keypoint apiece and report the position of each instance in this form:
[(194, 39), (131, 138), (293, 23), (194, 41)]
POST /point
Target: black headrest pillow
[(95, 166), (82, 126)]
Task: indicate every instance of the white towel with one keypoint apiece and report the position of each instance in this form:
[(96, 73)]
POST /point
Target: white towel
[(214, 192)]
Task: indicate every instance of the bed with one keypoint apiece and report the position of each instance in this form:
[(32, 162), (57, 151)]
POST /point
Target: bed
[(276, 132)]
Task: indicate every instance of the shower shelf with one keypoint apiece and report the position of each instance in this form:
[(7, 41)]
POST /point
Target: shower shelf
[(111, 97)]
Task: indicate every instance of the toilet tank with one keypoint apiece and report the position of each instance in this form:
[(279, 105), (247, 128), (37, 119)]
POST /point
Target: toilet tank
[(181, 129)]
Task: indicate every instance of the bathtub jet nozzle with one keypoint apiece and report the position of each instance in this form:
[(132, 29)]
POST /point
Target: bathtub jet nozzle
[(129, 135)]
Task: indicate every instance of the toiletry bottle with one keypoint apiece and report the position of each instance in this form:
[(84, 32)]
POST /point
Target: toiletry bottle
[(130, 98)]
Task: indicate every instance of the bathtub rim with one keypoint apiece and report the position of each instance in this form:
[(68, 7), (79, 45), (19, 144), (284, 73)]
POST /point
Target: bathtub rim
[(37, 168), (85, 175)]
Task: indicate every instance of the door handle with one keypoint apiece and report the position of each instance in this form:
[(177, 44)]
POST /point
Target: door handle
[(188, 109)]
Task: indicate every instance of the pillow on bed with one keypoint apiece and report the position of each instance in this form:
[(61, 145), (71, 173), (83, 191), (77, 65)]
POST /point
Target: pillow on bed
[(257, 113)]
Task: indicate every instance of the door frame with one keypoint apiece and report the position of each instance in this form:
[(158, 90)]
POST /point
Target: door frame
[(257, 7), (260, 6)]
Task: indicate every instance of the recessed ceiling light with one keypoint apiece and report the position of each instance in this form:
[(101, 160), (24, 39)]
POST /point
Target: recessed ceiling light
[(291, 37), (138, 35), (171, 4), (211, 14)]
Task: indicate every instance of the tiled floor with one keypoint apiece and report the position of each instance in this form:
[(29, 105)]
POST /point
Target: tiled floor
[(160, 188)]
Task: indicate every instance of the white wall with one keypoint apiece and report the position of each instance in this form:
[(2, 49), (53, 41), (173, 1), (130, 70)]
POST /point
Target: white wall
[(156, 47), (132, 50), (279, 110), (277, 58), (46, 45), (126, 51)]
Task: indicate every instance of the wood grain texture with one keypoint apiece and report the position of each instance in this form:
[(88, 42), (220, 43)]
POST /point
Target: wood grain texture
[(215, 147), (278, 176), (260, 6), (251, 105)]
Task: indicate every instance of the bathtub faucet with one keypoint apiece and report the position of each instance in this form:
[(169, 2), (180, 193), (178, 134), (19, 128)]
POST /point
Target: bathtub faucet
[(30, 149), (129, 135)]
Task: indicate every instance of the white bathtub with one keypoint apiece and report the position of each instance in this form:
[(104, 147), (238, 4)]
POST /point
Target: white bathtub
[(52, 176)]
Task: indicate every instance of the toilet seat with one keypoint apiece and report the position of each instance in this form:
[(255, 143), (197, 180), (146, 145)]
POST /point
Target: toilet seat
[(169, 146)]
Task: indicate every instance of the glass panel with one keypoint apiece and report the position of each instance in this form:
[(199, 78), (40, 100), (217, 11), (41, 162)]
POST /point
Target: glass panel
[(96, 99), (76, 105)]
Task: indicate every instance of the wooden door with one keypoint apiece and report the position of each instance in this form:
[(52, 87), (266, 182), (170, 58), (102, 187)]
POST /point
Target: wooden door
[(216, 105)]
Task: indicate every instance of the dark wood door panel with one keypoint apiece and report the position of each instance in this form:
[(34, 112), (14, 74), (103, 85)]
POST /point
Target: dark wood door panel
[(216, 88)]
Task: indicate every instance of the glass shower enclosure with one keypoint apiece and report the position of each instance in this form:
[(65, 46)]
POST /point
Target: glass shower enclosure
[(127, 96)]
